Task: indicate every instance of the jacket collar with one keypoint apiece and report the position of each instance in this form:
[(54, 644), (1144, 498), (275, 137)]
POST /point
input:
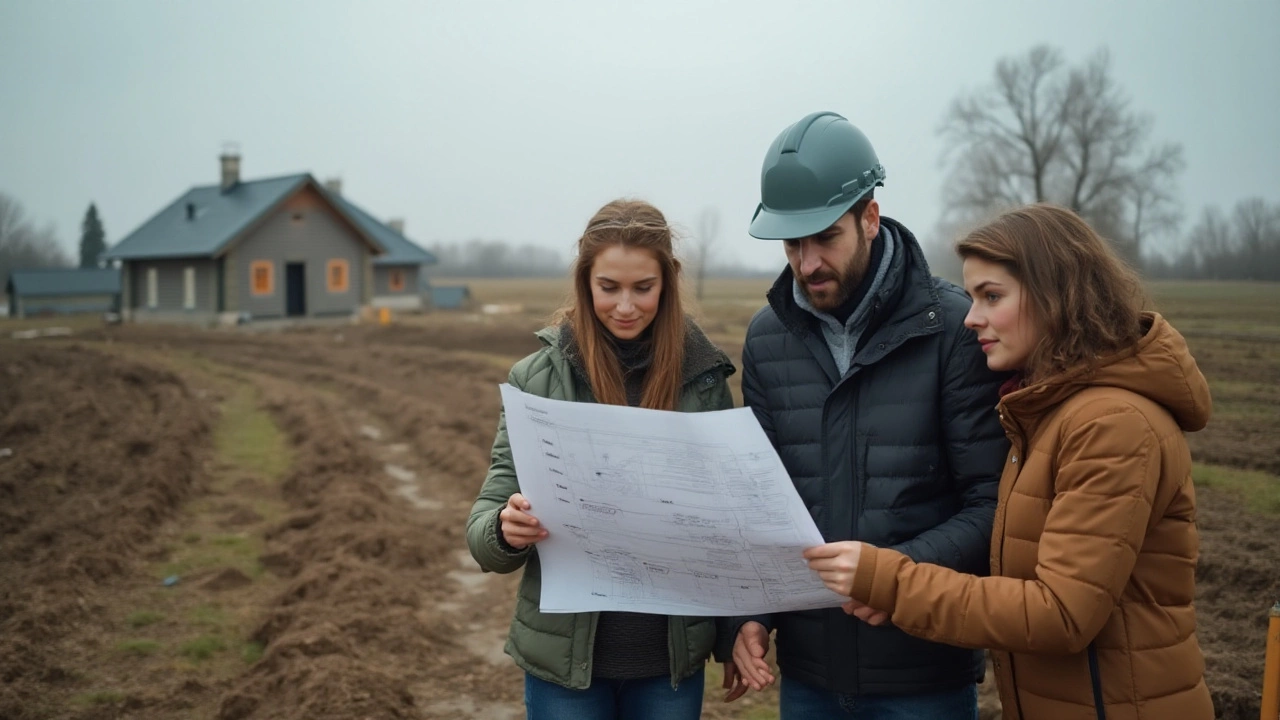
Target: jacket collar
[(1159, 367), (905, 304), (700, 354)]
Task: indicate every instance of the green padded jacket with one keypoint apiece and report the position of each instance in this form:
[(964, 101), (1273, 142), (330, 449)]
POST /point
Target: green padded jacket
[(557, 646)]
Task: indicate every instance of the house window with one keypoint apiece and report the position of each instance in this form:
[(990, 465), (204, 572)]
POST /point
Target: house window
[(262, 279), (395, 280), (189, 288), (153, 288), (337, 276)]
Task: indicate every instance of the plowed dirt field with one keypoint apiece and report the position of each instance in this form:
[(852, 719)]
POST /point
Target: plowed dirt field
[(235, 524)]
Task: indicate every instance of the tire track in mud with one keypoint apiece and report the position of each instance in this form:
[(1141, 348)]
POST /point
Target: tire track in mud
[(385, 614), (445, 406)]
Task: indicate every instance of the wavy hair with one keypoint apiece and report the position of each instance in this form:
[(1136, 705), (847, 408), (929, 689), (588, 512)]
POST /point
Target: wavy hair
[(1084, 299), (629, 224)]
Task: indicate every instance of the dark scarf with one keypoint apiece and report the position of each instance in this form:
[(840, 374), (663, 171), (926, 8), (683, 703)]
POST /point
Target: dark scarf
[(1015, 382), (635, 356)]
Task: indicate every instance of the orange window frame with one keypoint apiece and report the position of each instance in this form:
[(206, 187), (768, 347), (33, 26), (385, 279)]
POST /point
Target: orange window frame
[(262, 277), (338, 276), (395, 280)]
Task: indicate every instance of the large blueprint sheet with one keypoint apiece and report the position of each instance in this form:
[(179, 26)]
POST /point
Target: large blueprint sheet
[(661, 512)]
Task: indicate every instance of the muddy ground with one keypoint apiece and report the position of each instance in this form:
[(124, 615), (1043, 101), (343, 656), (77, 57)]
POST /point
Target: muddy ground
[(338, 585)]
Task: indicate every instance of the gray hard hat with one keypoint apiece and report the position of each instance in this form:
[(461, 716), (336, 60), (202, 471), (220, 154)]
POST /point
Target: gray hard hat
[(813, 173)]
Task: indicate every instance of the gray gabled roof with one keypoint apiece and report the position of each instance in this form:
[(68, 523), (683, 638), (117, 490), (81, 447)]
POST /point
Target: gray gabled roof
[(64, 281), (400, 250), (219, 218)]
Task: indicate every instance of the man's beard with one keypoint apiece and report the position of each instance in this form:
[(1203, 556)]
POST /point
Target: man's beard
[(846, 280)]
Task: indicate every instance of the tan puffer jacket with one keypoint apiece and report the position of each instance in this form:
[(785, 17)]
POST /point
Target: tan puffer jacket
[(1093, 551)]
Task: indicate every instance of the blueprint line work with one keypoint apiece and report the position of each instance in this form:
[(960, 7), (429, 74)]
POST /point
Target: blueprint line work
[(661, 512)]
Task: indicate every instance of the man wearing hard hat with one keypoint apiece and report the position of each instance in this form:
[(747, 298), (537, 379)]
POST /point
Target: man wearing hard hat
[(881, 406)]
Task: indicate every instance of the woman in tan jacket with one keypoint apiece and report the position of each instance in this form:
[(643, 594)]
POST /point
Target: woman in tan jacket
[(1088, 610)]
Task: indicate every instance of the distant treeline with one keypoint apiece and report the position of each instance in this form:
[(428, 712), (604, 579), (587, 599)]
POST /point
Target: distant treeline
[(23, 244), (481, 258), (1241, 245), (1244, 245), (495, 258)]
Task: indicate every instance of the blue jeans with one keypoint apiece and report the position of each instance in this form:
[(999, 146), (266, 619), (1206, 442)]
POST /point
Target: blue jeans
[(799, 701), (644, 699)]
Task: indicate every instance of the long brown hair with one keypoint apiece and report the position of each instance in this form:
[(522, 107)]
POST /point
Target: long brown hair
[(1083, 298), (630, 224)]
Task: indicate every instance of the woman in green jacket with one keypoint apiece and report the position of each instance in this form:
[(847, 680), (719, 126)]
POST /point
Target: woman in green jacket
[(623, 339)]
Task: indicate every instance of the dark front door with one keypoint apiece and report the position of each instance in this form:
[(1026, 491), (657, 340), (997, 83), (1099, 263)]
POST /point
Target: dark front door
[(295, 289)]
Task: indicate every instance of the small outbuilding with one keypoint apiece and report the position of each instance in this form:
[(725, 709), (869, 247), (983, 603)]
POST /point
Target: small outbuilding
[(62, 291)]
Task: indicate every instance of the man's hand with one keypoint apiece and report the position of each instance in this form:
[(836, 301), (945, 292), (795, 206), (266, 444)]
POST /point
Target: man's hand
[(519, 528), (836, 563), (732, 682), (865, 613), (748, 669)]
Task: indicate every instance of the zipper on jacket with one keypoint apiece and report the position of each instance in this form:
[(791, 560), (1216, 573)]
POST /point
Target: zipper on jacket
[(677, 638), (1095, 679), (593, 620), (1017, 696)]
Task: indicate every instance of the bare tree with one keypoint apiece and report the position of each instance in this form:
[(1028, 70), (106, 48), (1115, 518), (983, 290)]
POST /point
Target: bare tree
[(1242, 246), (1154, 209), (1257, 230), (1008, 135), (1213, 245), (1046, 132), (12, 219), (708, 229), (24, 246)]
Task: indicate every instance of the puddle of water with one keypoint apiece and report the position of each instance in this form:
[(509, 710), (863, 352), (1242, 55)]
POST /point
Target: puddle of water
[(448, 607), (410, 493), (404, 475), (473, 581), (407, 488), (371, 432)]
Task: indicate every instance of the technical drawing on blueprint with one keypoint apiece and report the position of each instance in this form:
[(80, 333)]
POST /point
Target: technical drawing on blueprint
[(661, 512)]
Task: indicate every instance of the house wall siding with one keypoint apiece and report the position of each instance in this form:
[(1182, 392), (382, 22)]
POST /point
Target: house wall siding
[(170, 292), (68, 303), (382, 280), (126, 290), (316, 237), (407, 298)]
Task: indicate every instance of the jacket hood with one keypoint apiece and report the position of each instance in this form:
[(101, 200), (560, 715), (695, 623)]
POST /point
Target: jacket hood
[(1159, 367)]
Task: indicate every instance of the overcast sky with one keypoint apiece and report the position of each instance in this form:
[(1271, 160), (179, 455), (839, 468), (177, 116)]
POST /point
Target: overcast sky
[(516, 121)]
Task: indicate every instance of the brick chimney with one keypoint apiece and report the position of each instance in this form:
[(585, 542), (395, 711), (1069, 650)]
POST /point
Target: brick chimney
[(230, 159), (396, 224), (334, 185)]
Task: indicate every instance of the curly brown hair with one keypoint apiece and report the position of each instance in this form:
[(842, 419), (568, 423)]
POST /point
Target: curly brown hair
[(1085, 300)]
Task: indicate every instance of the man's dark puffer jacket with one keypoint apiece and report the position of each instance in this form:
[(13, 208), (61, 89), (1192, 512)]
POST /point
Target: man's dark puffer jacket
[(903, 451)]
